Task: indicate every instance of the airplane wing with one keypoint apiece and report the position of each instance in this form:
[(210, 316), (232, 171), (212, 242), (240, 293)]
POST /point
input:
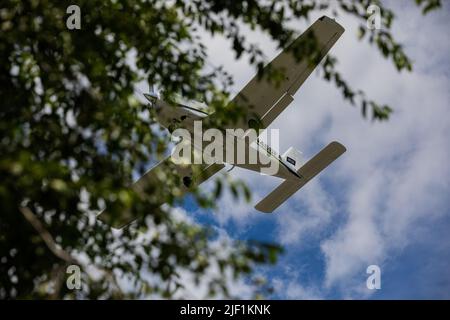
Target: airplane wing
[(191, 175), (264, 99)]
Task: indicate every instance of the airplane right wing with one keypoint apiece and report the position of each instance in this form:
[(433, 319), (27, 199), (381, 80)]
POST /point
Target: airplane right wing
[(264, 98)]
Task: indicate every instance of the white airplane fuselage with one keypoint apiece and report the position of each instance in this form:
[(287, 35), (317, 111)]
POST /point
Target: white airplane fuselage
[(183, 115)]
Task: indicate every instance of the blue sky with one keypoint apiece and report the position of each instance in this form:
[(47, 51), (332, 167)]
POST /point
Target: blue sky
[(385, 201)]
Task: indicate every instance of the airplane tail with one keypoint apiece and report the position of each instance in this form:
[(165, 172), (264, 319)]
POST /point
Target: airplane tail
[(308, 171)]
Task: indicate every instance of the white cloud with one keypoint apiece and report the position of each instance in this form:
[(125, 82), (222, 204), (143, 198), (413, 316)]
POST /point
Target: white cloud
[(310, 212), (398, 174), (394, 177)]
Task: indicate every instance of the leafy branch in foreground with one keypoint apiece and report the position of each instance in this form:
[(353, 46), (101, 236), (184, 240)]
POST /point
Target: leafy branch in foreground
[(73, 137)]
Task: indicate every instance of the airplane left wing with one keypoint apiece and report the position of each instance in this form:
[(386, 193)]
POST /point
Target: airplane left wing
[(191, 175), (265, 99)]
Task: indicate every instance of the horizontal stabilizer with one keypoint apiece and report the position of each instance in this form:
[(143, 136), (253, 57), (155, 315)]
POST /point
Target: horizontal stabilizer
[(308, 171)]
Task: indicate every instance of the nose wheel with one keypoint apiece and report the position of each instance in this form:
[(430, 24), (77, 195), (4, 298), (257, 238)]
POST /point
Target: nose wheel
[(187, 181)]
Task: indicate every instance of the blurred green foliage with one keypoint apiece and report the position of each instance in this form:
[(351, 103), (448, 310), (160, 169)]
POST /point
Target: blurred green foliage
[(72, 134)]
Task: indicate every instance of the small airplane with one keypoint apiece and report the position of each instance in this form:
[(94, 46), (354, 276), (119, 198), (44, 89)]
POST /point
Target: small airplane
[(265, 101)]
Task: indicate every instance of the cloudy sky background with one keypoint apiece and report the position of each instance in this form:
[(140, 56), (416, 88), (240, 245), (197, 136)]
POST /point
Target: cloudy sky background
[(385, 201)]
